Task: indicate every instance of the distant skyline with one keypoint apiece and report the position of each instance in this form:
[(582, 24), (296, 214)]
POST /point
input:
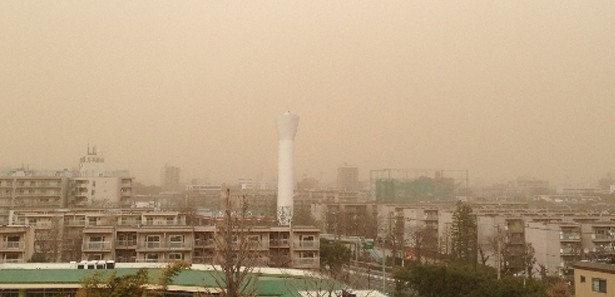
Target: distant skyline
[(502, 89)]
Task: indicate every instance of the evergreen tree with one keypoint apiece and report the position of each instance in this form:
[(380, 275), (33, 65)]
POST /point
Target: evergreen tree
[(461, 280), (334, 255), (464, 241)]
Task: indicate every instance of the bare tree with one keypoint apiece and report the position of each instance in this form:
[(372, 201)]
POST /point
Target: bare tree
[(48, 242), (424, 242), (72, 239), (496, 246), (237, 254), (512, 258), (396, 236)]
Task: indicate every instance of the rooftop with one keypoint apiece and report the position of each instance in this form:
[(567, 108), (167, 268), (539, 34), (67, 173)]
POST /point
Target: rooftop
[(269, 281), (602, 267)]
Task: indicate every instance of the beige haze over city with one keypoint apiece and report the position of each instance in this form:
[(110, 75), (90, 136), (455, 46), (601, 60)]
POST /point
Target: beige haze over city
[(500, 88)]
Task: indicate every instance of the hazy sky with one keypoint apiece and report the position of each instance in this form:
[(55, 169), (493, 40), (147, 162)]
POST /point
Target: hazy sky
[(501, 88)]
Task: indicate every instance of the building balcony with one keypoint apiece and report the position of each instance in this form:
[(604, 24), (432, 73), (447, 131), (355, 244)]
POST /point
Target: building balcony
[(26, 186), (568, 251), (157, 245), (79, 197), (80, 188), (18, 260), (570, 237), (603, 237), (203, 259), (12, 245), (431, 218), (126, 244), (50, 185), (306, 244), (204, 243), (179, 245), (74, 223), (151, 260), (279, 243), (129, 223), (38, 195), (129, 259), (96, 246), (150, 245), (306, 262)]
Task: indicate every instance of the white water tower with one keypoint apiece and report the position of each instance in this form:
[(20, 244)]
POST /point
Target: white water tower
[(287, 129)]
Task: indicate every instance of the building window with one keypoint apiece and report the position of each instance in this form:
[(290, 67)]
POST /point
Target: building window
[(96, 257), (12, 241), (599, 285), (97, 238), (151, 257), (309, 255), (12, 258), (176, 256), (254, 239), (582, 278), (307, 258), (176, 241), (307, 241), (153, 241)]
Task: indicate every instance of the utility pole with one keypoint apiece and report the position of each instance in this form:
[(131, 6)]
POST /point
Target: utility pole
[(384, 275), (497, 227)]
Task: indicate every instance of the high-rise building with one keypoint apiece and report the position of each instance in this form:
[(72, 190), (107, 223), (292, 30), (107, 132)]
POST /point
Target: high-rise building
[(347, 178), (27, 188), (287, 129), (169, 178), (97, 186)]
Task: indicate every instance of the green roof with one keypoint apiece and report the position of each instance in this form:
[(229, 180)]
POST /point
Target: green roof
[(266, 285)]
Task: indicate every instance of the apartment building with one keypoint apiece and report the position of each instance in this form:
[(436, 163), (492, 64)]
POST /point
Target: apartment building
[(16, 244), (599, 239), (140, 235), (26, 189), (102, 191), (279, 247), (558, 238)]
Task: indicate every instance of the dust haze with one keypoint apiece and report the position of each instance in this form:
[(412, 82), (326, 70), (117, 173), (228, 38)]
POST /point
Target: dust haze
[(502, 89)]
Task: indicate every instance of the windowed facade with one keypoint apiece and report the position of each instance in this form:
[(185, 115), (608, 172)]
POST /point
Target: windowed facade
[(307, 241), (176, 256), (152, 241), (95, 257), (599, 285), (151, 257), (12, 241), (176, 241), (593, 279)]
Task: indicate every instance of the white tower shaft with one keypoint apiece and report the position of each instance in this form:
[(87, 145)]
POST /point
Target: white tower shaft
[(287, 129)]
